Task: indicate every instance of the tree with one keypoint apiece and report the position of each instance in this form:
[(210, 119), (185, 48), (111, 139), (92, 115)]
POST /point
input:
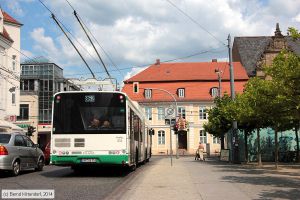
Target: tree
[(285, 73), (239, 108), (251, 109), (278, 117), (219, 121)]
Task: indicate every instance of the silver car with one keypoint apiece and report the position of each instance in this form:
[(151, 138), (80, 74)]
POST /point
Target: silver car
[(18, 152)]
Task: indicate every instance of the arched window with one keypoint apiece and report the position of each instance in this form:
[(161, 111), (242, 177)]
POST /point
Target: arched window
[(161, 137)]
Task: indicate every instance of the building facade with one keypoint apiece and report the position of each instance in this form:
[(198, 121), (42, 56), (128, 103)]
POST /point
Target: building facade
[(193, 87), (40, 80), (10, 42)]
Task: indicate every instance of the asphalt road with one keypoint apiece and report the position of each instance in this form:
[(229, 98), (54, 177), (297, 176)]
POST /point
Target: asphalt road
[(92, 184)]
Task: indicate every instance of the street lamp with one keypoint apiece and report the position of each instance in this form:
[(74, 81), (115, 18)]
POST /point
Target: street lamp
[(176, 108)]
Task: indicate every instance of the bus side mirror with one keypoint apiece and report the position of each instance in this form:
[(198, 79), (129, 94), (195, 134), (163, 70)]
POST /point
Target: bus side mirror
[(151, 131)]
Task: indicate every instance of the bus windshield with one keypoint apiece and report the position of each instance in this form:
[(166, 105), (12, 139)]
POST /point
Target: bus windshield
[(77, 113)]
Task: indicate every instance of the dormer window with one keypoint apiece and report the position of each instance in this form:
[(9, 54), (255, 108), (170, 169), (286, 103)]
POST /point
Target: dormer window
[(214, 92), (181, 92), (148, 93), (136, 87)]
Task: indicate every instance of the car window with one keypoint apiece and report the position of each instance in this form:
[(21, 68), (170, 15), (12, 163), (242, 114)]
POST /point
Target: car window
[(19, 141), (4, 138), (28, 142)]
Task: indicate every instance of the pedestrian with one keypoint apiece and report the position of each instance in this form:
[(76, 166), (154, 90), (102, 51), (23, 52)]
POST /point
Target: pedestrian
[(197, 156), (200, 152)]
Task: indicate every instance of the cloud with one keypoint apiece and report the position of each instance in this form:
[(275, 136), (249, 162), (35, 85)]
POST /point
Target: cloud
[(43, 43), (25, 55), (136, 33), (16, 8), (134, 71), (297, 18)]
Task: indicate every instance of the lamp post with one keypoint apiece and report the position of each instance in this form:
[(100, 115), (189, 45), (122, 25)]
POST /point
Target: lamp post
[(175, 101)]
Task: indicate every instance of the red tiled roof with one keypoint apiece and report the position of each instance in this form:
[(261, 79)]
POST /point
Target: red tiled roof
[(194, 91), (196, 78), (10, 19), (200, 71), (6, 35)]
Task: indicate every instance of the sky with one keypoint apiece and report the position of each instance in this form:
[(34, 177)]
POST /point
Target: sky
[(132, 34)]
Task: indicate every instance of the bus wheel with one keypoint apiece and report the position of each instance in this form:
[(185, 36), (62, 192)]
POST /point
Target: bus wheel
[(132, 167)]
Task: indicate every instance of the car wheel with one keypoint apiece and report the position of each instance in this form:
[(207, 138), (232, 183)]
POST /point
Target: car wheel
[(16, 168), (40, 165)]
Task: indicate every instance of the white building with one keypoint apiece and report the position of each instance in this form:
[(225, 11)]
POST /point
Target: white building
[(10, 43)]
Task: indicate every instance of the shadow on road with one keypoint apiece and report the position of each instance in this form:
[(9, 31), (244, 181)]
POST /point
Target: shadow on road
[(281, 194), (285, 182), (66, 172), (7, 174)]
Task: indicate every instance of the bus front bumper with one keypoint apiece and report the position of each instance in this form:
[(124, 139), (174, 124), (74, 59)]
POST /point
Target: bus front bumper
[(89, 160)]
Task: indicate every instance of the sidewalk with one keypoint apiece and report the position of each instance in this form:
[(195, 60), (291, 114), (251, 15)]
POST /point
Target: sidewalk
[(190, 179)]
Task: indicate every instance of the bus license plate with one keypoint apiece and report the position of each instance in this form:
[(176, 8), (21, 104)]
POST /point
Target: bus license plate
[(88, 160)]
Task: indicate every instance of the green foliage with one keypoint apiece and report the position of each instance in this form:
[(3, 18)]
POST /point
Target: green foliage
[(285, 73), (219, 117), (294, 33)]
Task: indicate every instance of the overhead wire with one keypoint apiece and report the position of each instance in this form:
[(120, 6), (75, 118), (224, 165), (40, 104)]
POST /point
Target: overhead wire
[(166, 61), (65, 28), (193, 20), (107, 55), (87, 35), (118, 69), (60, 26)]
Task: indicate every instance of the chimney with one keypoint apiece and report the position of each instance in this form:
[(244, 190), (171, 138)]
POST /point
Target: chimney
[(157, 62), (214, 60)]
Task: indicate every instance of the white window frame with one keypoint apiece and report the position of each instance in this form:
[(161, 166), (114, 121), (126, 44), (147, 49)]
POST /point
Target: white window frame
[(181, 92), (148, 112), (214, 92), (182, 112), (216, 140), (202, 113), (161, 137), (202, 136), (148, 93), (161, 113)]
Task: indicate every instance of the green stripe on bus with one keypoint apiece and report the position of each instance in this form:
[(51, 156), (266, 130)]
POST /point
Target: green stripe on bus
[(100, 159)]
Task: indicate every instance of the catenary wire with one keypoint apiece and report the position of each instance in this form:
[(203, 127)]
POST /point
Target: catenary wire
[(193, 20)]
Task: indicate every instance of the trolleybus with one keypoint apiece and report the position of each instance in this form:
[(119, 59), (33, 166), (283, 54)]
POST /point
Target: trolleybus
[(98, 128)]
